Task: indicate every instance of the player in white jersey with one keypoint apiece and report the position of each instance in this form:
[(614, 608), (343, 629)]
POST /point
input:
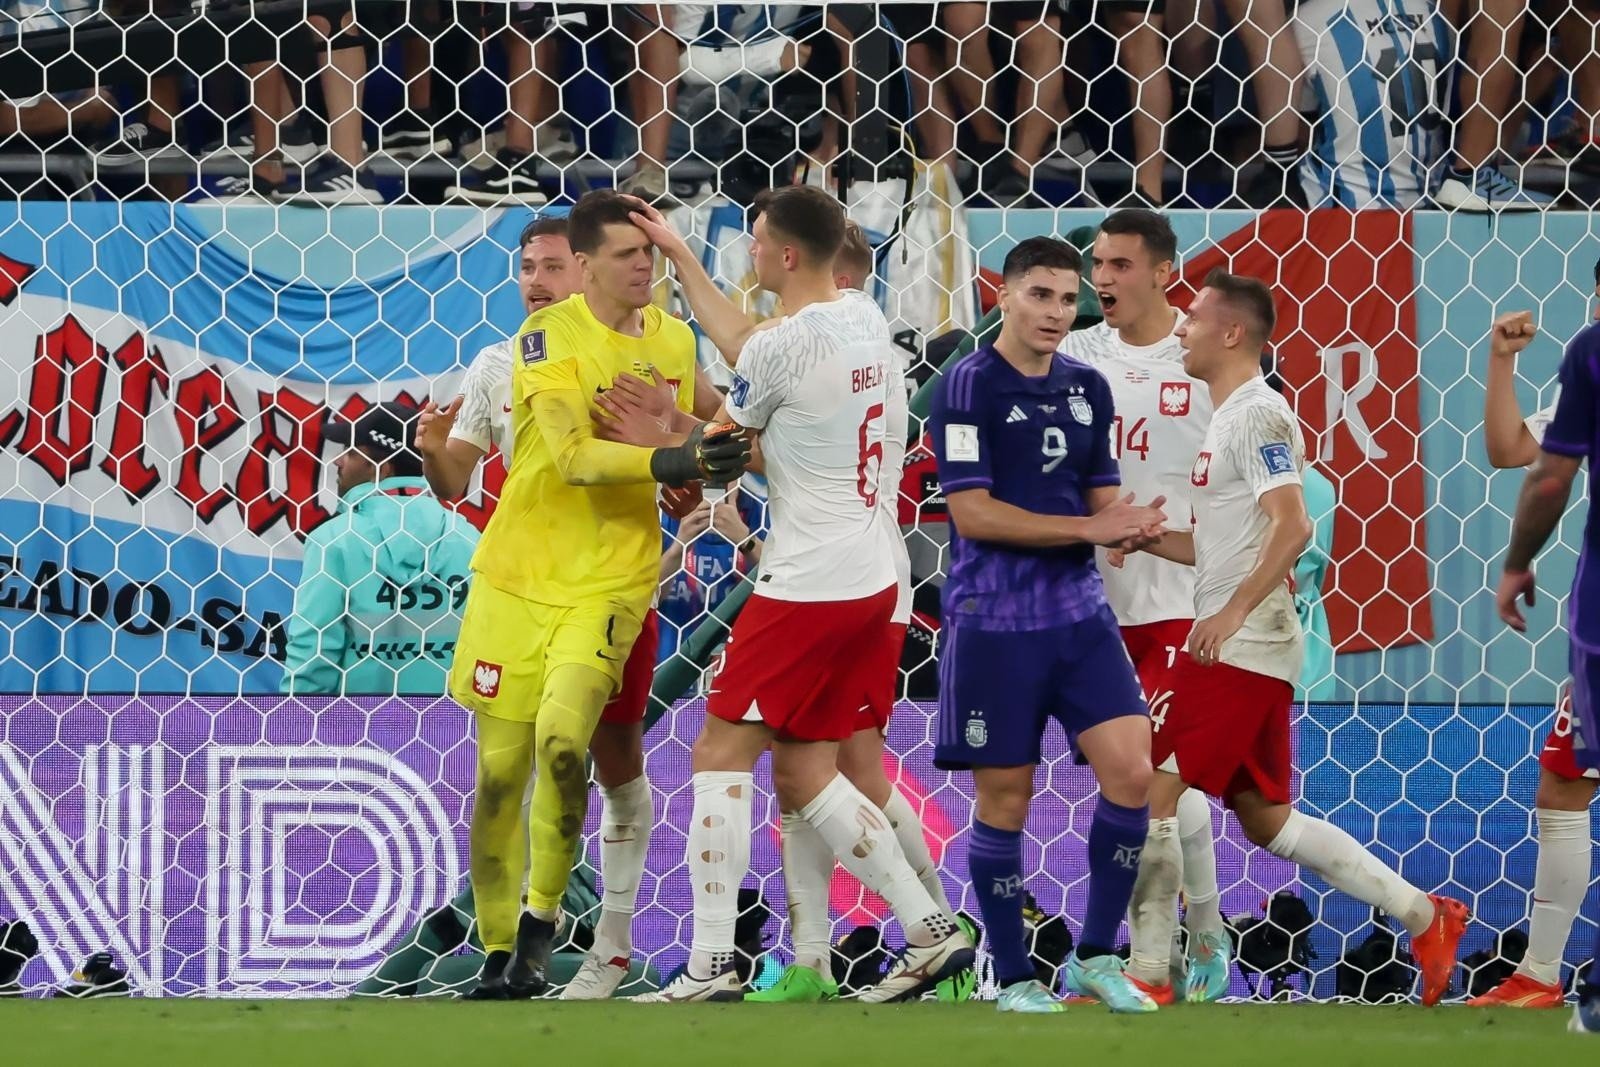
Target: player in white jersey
[(1561, 805), (1162, 416), (1227, 729), (1377, 78), (805, 656)]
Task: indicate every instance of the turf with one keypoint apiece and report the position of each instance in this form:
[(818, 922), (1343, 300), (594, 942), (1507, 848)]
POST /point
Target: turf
[(177, 1033)]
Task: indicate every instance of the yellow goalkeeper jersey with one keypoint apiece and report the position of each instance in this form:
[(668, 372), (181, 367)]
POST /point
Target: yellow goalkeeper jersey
[(577, 520)]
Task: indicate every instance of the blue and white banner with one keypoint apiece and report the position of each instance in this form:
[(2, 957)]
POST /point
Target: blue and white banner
[(161, 455)]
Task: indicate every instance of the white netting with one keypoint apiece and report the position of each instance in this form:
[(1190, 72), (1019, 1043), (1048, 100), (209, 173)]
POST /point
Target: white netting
[(170, 367)]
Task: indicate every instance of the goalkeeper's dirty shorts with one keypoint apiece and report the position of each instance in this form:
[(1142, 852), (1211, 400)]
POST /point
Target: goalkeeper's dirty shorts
[(509, 645)]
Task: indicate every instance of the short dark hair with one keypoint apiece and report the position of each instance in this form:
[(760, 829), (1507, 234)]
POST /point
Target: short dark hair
[(1249, 296), (1151, 227), (855, 251), (594, 211), (543, 226), (1048, 252), (810, 217)]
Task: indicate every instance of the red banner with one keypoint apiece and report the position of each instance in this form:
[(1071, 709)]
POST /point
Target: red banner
[(1346, 345)]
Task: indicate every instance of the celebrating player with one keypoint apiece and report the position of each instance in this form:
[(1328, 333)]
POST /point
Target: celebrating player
[(1572, 436), (1022, 437), (565, 574), (1161, 418), (1561, 873), (1227, 728), (453, 440), (807, 654)]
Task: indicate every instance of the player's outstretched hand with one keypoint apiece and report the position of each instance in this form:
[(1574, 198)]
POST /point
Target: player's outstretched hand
[(632, 415), (659, 230), (1124, 521), (1511, 333), (1209, 635), (714, 452), (434, 426), (1514, 586), (657, 396), (680, 500)]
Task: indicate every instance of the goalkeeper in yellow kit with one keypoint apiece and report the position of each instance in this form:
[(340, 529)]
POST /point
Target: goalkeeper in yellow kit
[(565, 573)]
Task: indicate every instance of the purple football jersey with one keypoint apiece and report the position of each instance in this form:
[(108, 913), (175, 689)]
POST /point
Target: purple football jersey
[(1575, 432), (1040, 444)]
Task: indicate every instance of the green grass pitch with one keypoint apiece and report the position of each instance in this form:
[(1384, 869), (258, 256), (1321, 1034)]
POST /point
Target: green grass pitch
[(177, 1033)]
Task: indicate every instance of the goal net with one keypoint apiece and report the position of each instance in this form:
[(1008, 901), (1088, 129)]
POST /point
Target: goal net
[(183, 306)]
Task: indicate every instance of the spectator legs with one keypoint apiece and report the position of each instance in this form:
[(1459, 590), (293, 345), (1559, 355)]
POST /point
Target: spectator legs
[(271, 106), (1277, 64), (653, 91), (343, 73), (1141, 53), (931, 105), (1041, 96), (972, 76), (532, 94), (1488, 80)]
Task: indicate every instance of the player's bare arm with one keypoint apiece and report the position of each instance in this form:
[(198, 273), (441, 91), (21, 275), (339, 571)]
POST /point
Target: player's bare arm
[(1174, 545), (1288, 532), (1543, 501), (723, 321), (979, 516), (447, 462), (1505, 434)]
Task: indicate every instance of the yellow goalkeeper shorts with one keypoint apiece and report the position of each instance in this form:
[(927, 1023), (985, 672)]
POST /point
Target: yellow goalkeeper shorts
[(508, 645)]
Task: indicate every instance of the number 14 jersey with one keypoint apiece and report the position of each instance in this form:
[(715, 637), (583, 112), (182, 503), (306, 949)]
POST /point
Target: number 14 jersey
[(1161, 419), (817, 388)]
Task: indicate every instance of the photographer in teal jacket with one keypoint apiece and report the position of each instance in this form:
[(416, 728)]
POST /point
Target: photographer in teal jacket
[(379, 602)]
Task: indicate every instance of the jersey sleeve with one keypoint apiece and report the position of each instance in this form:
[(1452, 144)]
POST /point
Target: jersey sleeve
[(761, 382), (1103, 466), (959, 426), (1262, 446), (475, 421), (1572, 427), (544, 358)]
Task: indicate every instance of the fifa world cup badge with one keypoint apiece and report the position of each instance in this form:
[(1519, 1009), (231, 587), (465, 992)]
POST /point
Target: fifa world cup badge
[(977, 730)]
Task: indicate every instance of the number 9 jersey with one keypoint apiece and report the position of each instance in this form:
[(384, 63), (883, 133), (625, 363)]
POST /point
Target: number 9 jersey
[(816, 386)]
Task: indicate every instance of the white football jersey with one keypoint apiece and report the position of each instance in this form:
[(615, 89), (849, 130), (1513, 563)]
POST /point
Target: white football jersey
[(817, 387), (1254, 445), (897, 419), (1540, 420), (484, 420), (1162, 416)]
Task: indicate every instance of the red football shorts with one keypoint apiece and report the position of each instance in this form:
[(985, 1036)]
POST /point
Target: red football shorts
[(1227, 729), (807, 670), (880, 698), (633, 699), (1557, 757), (1154, 648)]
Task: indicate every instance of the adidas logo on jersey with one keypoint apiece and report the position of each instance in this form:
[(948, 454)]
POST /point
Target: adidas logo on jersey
[(1017, 414), (1174, 398)]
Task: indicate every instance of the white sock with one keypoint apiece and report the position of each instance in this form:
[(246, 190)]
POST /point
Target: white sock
[(859, 835), (1339, 860), (1153, 912), (808, 865), (1560, 880), (908, 831), (719, 858), (1202, 911), (626, 814)]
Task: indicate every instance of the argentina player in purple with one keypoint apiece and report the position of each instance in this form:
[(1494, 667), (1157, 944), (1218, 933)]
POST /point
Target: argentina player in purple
[(1022, 436), (1572, 437)]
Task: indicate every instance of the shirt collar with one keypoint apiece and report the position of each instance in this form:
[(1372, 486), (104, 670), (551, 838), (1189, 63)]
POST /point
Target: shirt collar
[(388, 486)]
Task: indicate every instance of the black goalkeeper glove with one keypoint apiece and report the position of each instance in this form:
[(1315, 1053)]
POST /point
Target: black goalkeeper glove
[(716, 453)]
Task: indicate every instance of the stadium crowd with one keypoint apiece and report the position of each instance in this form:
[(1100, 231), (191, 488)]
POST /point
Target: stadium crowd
[(1469, 105)]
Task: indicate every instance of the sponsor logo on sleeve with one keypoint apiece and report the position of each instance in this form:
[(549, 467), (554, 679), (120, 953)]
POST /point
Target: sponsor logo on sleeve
[(533, 348), (961, 443), (740, 392), (1278, 458)]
